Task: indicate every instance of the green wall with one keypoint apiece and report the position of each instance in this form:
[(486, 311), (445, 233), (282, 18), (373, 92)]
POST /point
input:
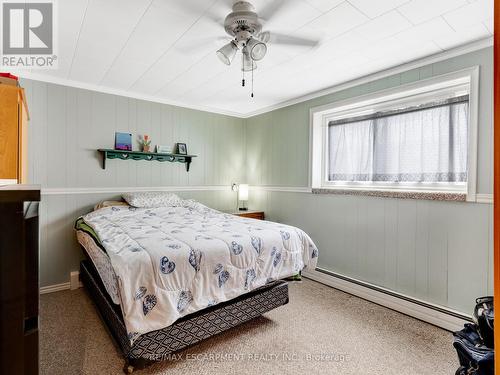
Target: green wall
[(437, 251), (68, 125)]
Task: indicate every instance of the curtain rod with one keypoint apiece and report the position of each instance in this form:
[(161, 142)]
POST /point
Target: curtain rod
[(394, 112)]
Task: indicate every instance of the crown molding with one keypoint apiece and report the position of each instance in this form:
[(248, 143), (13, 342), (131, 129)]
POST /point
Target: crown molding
[(467, 48), (124, 93)]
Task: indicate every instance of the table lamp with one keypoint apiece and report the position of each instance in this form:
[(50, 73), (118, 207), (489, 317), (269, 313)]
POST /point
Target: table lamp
[(243, 196)]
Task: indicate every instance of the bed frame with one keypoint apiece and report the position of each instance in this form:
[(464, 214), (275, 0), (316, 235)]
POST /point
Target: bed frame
[(160, 344)]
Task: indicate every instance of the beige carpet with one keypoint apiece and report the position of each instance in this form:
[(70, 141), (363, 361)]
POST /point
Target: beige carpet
[(321, 331)]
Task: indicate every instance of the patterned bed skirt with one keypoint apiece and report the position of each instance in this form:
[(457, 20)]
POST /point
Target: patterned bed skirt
[(158, 345)]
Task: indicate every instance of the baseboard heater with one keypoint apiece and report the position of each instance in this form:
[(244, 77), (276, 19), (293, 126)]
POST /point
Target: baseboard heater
[(440, 316)]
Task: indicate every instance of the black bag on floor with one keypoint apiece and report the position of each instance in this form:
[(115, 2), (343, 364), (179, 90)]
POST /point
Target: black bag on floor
[(475, 358), (483, 318)]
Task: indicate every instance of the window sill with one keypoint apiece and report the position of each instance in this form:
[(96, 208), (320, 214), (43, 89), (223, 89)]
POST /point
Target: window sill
[(425, 195)]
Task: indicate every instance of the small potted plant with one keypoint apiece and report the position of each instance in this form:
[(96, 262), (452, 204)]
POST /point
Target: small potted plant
[(145, 143)]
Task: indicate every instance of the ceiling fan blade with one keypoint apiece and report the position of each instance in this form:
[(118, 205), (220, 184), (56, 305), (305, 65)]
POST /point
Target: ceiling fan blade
[(187, 46), (229, 4), (209, 13), (273, 7), (277, 38)]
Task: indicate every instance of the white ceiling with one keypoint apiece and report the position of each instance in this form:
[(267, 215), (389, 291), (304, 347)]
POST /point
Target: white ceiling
[(165, 49)]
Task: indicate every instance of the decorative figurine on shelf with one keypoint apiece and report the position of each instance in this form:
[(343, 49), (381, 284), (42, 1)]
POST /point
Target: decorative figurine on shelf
[(145, 143)]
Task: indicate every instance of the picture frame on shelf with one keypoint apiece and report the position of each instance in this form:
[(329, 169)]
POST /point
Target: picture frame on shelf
[(123, 141), (181, 149), (161, 149)]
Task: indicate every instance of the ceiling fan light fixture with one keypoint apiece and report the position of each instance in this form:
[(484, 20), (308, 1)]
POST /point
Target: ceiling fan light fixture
[(226, 53), (248, 63), (256, 48), (244, 25)]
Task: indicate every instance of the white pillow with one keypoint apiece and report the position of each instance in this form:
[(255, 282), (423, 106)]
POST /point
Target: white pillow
[(104, 204), (152, 199), (194, 205)]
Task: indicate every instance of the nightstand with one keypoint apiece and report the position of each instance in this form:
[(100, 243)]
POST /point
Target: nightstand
[(259, 215)]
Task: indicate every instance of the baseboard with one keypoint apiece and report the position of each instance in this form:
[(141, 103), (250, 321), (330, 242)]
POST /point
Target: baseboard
[(73, 284), (427, 312), (55, 288)]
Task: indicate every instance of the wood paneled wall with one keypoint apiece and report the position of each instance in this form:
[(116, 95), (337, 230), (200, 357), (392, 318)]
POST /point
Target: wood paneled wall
[(68, 125), (441, 252)]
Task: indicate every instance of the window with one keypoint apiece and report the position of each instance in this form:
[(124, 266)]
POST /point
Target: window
[(416, 138)]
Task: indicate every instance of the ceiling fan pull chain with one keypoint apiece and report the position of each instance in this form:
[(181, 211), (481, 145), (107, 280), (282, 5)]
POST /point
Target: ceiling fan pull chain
[(251, 95), (243, 70)]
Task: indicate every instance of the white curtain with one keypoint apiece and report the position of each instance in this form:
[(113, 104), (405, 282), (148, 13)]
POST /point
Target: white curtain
[(427, 145)]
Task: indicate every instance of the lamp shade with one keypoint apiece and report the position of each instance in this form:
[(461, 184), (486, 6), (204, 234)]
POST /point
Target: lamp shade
[(243, 192), (256, 48), (226, 54)]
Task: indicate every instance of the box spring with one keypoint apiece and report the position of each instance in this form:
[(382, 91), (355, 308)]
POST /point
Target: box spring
[(158, 345)]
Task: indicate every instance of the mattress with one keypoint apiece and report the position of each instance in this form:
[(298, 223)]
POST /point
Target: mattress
[(101, 262), (96, 253), (172, 261)]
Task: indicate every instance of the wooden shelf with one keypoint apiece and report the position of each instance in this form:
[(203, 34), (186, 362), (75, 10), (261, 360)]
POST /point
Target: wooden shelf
[(138, 155)]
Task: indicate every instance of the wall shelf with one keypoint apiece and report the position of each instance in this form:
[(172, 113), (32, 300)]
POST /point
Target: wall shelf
[(138, 155)]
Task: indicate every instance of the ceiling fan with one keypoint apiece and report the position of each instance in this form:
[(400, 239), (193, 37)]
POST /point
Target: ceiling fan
[(244, 25)]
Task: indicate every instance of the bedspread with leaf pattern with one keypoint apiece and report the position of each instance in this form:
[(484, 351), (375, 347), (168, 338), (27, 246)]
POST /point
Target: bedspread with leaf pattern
[(173, 261)]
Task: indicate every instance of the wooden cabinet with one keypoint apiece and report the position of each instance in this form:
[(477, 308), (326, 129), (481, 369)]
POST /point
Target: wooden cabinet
[(19, 288), (13, 135), (259, 215)]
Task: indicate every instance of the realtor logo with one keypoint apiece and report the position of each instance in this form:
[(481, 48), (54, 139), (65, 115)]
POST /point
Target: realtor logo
[(28, 35)]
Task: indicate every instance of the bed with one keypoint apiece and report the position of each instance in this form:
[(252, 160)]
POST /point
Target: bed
[(166, 273)]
